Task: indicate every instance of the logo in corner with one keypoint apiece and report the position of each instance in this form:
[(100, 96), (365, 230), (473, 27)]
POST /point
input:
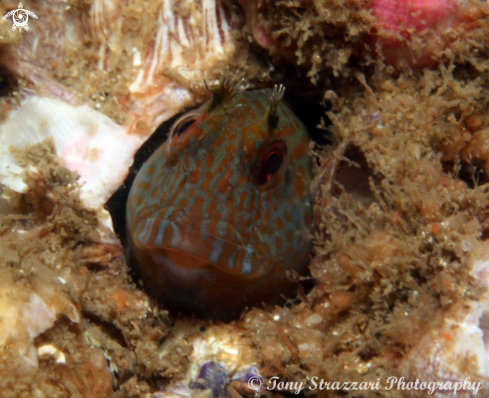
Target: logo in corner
[(20, 16)]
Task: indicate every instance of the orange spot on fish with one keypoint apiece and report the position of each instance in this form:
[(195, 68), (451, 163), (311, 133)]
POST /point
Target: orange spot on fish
[(223, 183), (194, 176), (196, 208), (278, 242), (207, 180), (300, 151), (300, 186)]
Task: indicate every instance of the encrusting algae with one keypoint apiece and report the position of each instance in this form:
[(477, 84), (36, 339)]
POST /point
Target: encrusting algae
[(399, 265)]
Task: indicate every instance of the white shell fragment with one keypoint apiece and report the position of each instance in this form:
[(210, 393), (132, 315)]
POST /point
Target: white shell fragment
[(37, 315), (86, 140), (48, 350)]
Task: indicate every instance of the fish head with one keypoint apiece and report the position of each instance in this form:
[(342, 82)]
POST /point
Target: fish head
[(223, 207)]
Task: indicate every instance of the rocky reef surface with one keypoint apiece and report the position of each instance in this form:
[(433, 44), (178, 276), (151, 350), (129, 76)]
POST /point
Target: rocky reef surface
[(398, 280)]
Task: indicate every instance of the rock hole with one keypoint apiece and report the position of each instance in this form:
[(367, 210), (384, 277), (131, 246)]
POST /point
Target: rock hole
[(107, 327), (353, 176), (116, 205)]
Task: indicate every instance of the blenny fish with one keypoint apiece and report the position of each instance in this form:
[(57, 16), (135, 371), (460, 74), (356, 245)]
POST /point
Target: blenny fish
[(220, 212)]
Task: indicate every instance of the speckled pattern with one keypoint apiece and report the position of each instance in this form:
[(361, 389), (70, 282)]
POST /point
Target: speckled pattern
[(211, 225)]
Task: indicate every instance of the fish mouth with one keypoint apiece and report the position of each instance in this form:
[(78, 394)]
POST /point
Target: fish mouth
[(204, 244)]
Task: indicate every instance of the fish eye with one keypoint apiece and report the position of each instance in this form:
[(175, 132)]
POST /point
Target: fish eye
[(184, 124), (269, 163)]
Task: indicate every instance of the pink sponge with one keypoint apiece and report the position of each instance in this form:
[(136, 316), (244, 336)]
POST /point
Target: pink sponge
[(402, 15), (401, 22)]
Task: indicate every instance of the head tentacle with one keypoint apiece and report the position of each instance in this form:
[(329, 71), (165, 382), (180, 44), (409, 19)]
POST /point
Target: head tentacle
[(278, 93), (227, 88)]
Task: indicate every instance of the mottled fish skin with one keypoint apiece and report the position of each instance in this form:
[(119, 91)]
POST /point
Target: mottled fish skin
[(214, 218)]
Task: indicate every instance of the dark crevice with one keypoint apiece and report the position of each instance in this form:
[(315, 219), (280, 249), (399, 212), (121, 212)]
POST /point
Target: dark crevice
[(109, 328), (116, 205), (8, 83), (472, 175), (353, 176)]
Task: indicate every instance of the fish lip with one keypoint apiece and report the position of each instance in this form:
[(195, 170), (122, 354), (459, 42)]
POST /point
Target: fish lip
[(204, 244)]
